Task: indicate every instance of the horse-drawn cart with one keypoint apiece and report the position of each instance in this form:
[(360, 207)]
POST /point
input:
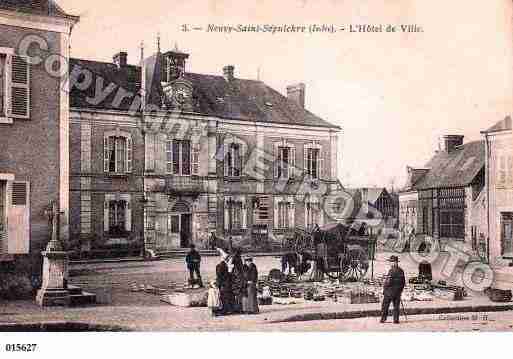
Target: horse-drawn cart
[(341, 251)]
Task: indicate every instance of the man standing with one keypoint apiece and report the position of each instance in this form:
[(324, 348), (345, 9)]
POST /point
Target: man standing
[(193, 260), (250, 305), (224, 283), (392, 290)]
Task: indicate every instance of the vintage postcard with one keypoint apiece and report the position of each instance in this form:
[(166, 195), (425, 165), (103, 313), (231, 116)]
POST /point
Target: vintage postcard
[(255, 166)]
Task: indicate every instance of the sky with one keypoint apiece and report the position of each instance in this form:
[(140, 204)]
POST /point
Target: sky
[(393, 94)]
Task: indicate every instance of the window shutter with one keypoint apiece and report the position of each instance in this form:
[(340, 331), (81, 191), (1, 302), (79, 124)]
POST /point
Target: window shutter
[(277, 163), (20, 87), (106, 154), (129, 155), (195, 158), (275, 206), (128, 217), (244, 214), (320, 164), (292, 167), (291, 214), (305, 159), (226, 148), (150, 152), (106, 215), (226, 216), (18, 237)]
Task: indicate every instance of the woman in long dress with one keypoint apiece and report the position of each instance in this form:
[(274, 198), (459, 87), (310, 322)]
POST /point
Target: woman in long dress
[(251, 275), (238, 282)]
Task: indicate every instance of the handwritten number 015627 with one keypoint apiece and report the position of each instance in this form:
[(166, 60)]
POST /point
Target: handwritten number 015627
[(20, 347)]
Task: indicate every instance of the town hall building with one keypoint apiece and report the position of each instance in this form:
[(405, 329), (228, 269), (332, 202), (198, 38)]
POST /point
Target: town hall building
[(161, 157)]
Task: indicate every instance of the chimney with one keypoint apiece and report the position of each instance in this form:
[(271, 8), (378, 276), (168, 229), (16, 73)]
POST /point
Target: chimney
[(228, 72), (448, 143), (296, 93), (120, 59)]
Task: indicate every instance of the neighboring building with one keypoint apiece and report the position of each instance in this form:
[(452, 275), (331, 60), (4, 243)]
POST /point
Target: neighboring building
[(170, 175), (499, 172), (380, 200), (34, 125), (446, 199)]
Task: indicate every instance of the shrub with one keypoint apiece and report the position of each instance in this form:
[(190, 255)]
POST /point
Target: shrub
[(15, 286)]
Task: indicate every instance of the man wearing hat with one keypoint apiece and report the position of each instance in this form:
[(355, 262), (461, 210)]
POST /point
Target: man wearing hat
[(224, 283), (250, 303), (392, 289), (193, 260)]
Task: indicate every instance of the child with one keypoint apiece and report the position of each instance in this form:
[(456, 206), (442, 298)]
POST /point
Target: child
[(213, 302)]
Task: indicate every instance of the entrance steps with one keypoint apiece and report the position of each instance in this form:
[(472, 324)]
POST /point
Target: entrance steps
[(181, 253), (79, 297)]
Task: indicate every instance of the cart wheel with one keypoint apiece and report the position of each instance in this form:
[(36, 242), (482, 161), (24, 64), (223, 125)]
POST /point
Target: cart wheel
[(354, 265)]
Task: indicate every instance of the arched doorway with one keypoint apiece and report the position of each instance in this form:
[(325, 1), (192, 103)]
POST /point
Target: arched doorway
[(180, 223)]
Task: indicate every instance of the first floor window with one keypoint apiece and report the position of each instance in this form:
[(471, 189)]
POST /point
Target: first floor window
[(284, 162), (117, 217), (234, 159), (452, 224), (178, 157), (312, 162), (284, 209), (2, 207), (118, 154), (235, 216)]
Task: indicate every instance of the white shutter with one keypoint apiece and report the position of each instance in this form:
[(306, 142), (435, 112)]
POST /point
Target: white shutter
[(320, 164), (305, 159), (18, 218), (150, 152), (292, 167), (225, 159), (129, 154), (106, 154), (276, 157), (291, 214), (195, 153), (106, 215), (244, 214), (226, 216), (20, 87), (128, 217), (275, 206)]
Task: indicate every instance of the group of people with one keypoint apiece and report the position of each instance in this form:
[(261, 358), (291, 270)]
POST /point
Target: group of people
[(236, 281)]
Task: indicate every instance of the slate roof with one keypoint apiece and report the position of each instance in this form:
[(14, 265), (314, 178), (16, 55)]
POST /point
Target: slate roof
[(37, 7), (239, 99), (502, 125), (454, 169)]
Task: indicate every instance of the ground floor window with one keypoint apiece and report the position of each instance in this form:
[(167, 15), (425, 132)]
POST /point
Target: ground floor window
[(284, 209), (2, 207), (507, 233), (117, 217), (452, 224), (312, 215), (235, 216)]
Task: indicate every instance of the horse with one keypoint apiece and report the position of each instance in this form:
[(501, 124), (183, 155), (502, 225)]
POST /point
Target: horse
[(299, 262)]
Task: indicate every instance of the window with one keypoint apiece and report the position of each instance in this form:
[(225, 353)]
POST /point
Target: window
[(174, 224), (2, 207), (312, 214), (14, 85), (234, 216), (284, 209), (285, 162), (2, 85), (452, 224), (117, 154), (234, 160), (117, 217), (178, 157), (312, 162), (507, 234)]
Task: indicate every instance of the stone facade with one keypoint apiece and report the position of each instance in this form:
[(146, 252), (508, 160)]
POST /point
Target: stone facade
[(33, 135), (188, 173)]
